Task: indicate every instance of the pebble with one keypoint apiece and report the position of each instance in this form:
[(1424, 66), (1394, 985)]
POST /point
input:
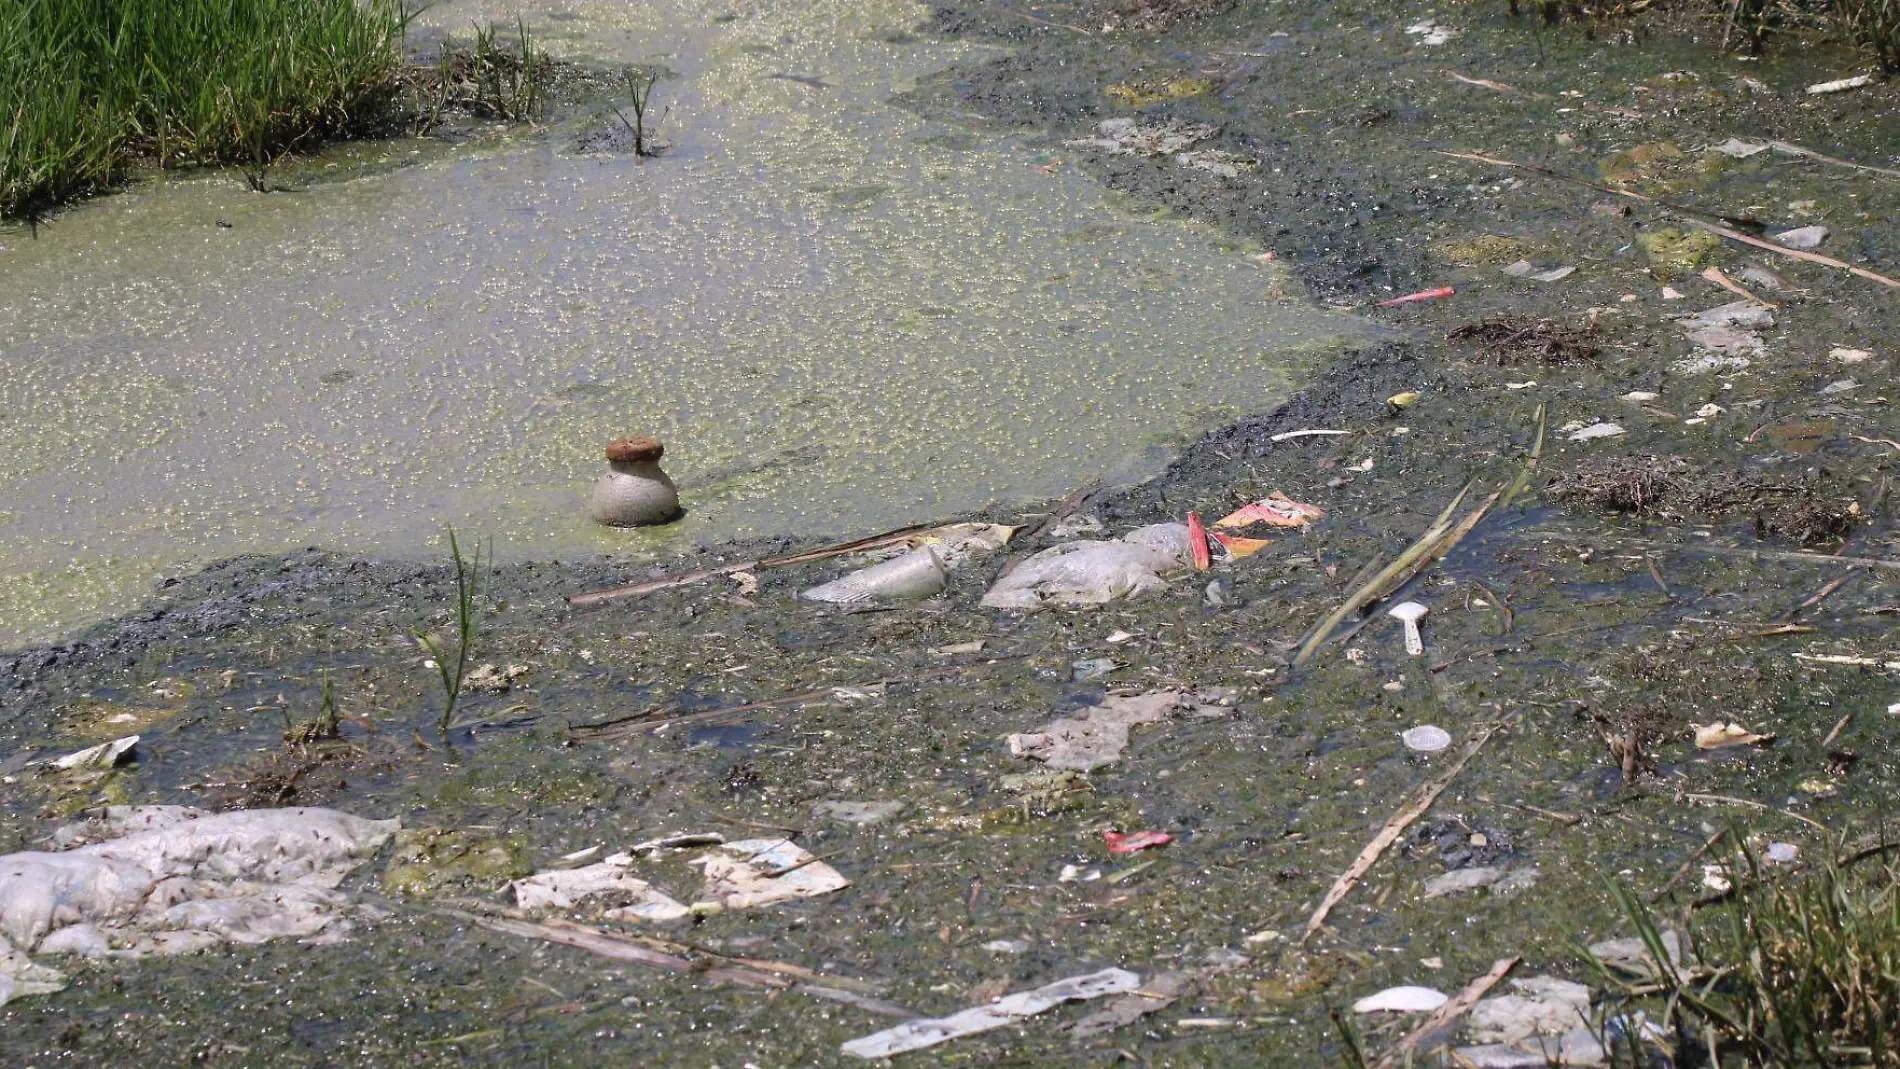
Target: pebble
[(1803, 238)]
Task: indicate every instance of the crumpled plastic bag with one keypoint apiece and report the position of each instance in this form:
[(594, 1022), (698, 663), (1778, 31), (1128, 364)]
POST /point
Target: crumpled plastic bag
[(171, 879), (1091, 573)]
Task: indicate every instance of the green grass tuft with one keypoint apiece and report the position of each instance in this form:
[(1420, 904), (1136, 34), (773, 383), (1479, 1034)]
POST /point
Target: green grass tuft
[(89, 86)]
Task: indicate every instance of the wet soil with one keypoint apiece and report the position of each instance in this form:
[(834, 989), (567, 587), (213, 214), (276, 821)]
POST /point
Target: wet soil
[(1589, 629)]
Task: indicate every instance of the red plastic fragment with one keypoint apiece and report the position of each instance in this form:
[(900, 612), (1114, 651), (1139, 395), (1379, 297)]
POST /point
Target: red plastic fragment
[(1135, 841), (1422, 295)]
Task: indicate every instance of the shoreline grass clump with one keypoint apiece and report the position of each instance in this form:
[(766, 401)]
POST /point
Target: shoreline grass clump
[(90, 88), (1803, 969)]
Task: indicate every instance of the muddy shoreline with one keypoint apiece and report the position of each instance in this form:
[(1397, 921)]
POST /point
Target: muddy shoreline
[(1588, 638)]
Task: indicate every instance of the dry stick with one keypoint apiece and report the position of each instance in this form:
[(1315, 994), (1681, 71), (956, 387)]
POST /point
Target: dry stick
[(1724, 551), (1366, 595), (1459, 1005), (1787, 149), (1738, 220), (1064, 509), (1715, 275), (1794, 254), (1839, 726), (618, 948), (1687, 865), (633, 725), (1656, 574), (1751, 804), (631, 590), (1820, 595), (1504, 607), (1389, 834)]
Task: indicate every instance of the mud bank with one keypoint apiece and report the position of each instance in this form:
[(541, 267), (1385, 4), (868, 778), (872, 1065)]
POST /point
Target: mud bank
[(1578, 637)]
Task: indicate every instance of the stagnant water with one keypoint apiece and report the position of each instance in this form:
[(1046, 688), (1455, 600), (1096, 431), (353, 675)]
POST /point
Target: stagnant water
[(838, 315)]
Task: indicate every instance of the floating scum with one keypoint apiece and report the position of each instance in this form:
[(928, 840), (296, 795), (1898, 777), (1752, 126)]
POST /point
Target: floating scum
[(838, 316)]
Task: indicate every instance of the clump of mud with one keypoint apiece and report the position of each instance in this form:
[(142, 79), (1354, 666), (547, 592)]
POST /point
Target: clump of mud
[(1150, 14), (1510, 340), (1671, 488)]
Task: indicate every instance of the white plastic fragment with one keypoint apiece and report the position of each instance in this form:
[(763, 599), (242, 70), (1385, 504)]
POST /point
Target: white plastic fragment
[(1097, 735), (761, 872), (1596, 431), (1738, 148), (1426, 738), (1405, 999), (1850, 356), (104, 755), (928, 1032), (187, 881), (1090, 573), (567, 888), (1840, 85), (914, 576)]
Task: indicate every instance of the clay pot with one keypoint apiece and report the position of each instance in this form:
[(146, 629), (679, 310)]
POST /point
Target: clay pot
[(634, 492)]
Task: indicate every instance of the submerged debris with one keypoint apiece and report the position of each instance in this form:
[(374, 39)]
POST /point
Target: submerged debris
[(1097, 735), (1090, 573), (1670, 487), (1510, 340), (172, 880)]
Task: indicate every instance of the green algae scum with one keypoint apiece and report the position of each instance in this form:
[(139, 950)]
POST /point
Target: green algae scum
[(1013, 287)]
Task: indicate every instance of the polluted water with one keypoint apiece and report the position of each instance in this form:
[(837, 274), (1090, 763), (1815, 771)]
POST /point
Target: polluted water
[(840, 316)]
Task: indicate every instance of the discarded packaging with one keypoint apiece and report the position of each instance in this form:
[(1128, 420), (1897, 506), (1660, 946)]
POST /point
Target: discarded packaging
[(1276, 509), (1097, 735), (1135, 841), (1156, 993), (1543, 1005), (1497, 881), (1422, 295), (1720, 736), (566, 888), (1091, 573), (1596, 431), (1840, 85), (1402, 1000), (928, 1032), (915, 575), (761, 872), (171, 880)]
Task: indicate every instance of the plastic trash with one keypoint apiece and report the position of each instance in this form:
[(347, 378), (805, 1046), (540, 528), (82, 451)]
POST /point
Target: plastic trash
[(915, 575), (1091, 573), (1097, 735), (567, 888), (178, 880), (928, 1032), (1406, 999), (1135, 841)]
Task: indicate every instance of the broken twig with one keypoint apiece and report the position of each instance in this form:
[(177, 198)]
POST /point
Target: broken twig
[(1451, 1011), (1389, 834), (1795, 254)]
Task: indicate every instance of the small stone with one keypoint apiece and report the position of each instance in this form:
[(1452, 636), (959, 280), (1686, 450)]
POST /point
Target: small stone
[(1803, 238)]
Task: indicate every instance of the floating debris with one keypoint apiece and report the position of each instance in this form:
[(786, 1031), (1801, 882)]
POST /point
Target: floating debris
[(1402, 1000), (928, 1032), (1426, 738)]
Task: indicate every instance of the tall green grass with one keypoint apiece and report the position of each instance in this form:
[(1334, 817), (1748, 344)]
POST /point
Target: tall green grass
[(87, 87)]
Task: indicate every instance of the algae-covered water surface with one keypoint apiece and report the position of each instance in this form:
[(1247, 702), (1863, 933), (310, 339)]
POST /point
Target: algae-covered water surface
[(839, 316)]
